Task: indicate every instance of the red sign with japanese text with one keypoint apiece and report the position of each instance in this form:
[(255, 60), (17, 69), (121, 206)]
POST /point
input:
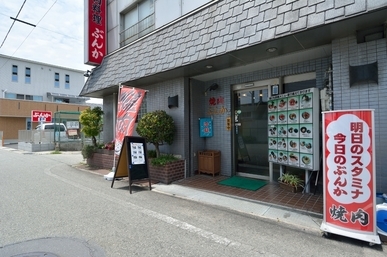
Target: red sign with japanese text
[(41, 116), (129, 103), (95, 32), (349, 171)]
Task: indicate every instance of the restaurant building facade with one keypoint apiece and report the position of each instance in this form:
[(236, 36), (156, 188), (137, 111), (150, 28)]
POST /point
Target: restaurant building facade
[(227, 61)]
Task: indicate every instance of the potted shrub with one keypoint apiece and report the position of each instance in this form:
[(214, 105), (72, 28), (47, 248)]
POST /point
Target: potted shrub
[(91, 121), (291, 182), (158, 128)]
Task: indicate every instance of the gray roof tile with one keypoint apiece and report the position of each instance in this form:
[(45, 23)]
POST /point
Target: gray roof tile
[(242, 42), (223, 27), (300, 24)]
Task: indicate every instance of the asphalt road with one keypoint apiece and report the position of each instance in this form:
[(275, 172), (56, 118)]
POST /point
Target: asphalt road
[(48, 206)]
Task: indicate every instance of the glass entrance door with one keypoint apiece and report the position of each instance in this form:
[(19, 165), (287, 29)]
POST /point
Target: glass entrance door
[(250, 133)]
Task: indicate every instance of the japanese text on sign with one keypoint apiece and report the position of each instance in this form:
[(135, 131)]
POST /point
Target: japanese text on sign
[(348, 174)]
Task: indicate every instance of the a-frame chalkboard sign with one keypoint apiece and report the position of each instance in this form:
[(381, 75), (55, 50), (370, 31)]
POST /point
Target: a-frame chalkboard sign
[(133, 161)]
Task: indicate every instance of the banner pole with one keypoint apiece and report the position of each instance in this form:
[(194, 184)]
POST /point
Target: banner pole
[(110, 176)]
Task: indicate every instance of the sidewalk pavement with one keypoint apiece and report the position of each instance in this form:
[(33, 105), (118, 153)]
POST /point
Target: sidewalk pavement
[(301, 219), (294, 217)]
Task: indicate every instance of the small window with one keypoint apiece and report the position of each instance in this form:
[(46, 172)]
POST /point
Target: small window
[(14, 73), (143, 109), (10, 95), (38, 98), (29, 97), (67, 81), (56, 79), (19, 96), (28, 76)]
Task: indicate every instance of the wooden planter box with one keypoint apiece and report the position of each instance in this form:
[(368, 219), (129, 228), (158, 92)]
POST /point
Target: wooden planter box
[(168, 173), (290, 188), (209, 162)]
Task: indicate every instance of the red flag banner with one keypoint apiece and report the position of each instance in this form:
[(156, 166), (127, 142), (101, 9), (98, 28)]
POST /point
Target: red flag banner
[(129, 102)]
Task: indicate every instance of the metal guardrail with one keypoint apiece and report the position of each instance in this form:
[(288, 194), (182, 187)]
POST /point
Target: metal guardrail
[(51, 136), (138, 30)]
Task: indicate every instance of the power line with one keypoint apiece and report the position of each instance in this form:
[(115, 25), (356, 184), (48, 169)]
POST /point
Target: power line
[(13, 23), (40, 27), (30, 31)]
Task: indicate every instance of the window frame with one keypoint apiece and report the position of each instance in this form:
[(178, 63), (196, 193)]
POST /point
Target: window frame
[(56, 79), (67, 81), (27, 75), (15, 73)]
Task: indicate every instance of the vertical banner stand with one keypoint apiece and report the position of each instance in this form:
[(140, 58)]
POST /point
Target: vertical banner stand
[(349, 175), (133, 161)]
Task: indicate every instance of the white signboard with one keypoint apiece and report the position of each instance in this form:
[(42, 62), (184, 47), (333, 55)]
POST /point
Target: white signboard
[(137, 151)]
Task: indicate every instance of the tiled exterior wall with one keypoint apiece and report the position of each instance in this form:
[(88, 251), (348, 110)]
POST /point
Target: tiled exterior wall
[(197, 111), (347, 52), (108, 117), (226, 26), (157, 99)]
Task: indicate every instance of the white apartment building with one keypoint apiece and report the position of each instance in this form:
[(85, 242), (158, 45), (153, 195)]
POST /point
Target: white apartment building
[(27, 85), (29, 80)]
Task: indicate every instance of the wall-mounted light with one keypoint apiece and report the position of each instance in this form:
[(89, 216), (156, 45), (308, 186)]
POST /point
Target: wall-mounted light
[(213, 87), (87, 73), (173, 101)]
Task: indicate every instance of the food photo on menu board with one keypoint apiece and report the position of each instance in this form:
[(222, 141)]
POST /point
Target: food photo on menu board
[(282, 157), (282, 143), (306, 145), (306, 116), (294, 144), (273, 118), (294, 158), (294, 130), (306, 101), (306, 160), (272, 131), (293, 116), (282, 104), (282, 130), (293, 102), (273, 143), (273, 155), (306, 131), (272, 106), (282, 117)]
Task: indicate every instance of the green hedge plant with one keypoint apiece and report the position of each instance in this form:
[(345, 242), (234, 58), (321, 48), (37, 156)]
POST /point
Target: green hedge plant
[(157, 128)]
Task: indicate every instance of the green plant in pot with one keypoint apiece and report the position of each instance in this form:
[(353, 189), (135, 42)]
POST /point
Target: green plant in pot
[(88, 151), (291, 180), (91, 121), (158, 128)]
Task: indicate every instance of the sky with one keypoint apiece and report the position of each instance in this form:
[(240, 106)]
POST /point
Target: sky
[(57, 39)]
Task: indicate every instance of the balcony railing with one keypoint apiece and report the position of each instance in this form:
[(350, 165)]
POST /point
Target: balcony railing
[(138, 30)]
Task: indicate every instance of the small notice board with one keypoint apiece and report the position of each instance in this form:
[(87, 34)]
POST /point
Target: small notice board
[(133, 161)]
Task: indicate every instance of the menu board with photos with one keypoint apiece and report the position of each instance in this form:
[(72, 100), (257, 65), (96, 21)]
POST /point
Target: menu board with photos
[(293, 129)]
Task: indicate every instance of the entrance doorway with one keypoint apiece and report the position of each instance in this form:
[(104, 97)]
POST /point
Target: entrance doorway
[(250, 132)]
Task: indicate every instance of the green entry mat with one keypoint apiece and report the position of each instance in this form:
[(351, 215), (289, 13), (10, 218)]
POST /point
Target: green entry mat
[(244, 183)]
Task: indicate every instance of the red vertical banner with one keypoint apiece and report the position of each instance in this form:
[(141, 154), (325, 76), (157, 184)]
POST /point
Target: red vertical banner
[(129, 103), (349, 174), (95, 31)]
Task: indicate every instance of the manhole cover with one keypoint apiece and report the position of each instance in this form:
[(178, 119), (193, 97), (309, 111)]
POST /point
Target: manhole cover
[(36, 254)]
